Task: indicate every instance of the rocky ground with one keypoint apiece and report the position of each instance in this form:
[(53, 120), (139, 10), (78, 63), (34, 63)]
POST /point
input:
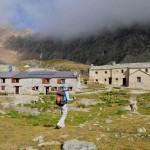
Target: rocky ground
[(95, 121)]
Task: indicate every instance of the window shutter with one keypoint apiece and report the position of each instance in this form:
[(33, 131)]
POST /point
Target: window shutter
[(44, 81), (33, 88), (13, 80), (3, 87), (52, 88), (58, 81)]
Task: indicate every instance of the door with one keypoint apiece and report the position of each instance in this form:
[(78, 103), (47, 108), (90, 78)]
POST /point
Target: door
[(47, 90), (124, 82), (16, 89), (110, 80)]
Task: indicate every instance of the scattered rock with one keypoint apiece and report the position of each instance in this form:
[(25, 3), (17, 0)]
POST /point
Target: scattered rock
[(78, 145), (2, 112), (124, 117), (101, 108), (98, 114), (116, 135), (138, 134), (131, 139), (28, 148), (38, 138), (41, 144), (108, 129), (98, 139), (64, 136), (108, 121), (89, 102), (48, 111), (148, 106), (141, 130), (82, 125), (80, 109), (35, 113), (95, 124), (127, 108)]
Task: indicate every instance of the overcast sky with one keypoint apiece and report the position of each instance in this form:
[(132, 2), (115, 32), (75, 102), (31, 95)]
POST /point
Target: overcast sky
[(73, 18)]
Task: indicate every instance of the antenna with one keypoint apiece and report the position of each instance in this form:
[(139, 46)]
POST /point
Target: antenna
[(41, 57)]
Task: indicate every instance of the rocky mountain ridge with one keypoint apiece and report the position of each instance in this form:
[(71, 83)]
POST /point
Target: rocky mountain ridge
[(124, 45)]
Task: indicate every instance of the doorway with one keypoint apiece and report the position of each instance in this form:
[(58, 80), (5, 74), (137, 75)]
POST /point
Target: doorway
[(16, 89), (110, 80), (47, 90), (124, 82)]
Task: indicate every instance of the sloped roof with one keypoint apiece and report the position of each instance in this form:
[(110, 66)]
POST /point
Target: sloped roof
[(39, 74), (8, 74), (120, 66)]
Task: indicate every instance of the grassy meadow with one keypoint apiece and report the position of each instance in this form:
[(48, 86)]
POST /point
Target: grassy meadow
[(106, 123), (57, 64)]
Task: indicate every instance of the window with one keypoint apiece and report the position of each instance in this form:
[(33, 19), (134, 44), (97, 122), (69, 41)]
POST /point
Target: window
[(35, 88), (53, 88), (105, 79), (15, 80), (116, 79), (96, 80), (138, 79), (3, 88), (45, 81), (3, 80), (122, 71), (60, 81), (96, 72), (105, 72), (146, 70)]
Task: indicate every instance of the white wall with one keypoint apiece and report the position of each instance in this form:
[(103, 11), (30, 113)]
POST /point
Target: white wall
[(25, 85)]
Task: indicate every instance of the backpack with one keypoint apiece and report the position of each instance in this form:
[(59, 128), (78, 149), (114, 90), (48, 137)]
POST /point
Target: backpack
[(60, 101)]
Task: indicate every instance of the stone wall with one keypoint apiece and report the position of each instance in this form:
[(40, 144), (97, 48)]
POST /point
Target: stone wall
[(28, 86), (139, 79), (122, 76)]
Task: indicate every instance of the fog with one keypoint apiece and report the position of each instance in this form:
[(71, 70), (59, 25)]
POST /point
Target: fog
[(73, 18)]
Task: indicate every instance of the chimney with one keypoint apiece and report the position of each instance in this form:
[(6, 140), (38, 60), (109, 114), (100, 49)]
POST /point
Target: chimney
[(75, 73)]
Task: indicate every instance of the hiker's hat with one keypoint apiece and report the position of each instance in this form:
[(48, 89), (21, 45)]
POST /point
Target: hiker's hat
[(64, 86)]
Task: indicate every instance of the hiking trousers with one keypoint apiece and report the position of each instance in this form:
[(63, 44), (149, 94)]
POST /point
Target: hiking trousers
[(63, 112)]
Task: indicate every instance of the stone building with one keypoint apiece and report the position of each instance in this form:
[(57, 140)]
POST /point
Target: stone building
[(37, 82), (134, 75)]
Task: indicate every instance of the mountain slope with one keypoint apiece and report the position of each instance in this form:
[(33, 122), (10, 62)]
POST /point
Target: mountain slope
[(124, 45), (10, 55)]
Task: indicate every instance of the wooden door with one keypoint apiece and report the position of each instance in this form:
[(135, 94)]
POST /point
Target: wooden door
[(17, 90)]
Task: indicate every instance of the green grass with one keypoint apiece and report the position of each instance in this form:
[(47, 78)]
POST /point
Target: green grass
[(18, 129), (57, 64), (47, 104), (144, 103)]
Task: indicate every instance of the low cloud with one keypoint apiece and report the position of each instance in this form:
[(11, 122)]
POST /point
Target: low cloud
[(73, 18)]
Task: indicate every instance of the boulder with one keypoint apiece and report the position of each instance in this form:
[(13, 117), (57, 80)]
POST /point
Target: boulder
[(78, 145), (109, 121), (141, 130)]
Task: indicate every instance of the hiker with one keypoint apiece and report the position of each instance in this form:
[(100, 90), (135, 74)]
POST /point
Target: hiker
[(64, 109)]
